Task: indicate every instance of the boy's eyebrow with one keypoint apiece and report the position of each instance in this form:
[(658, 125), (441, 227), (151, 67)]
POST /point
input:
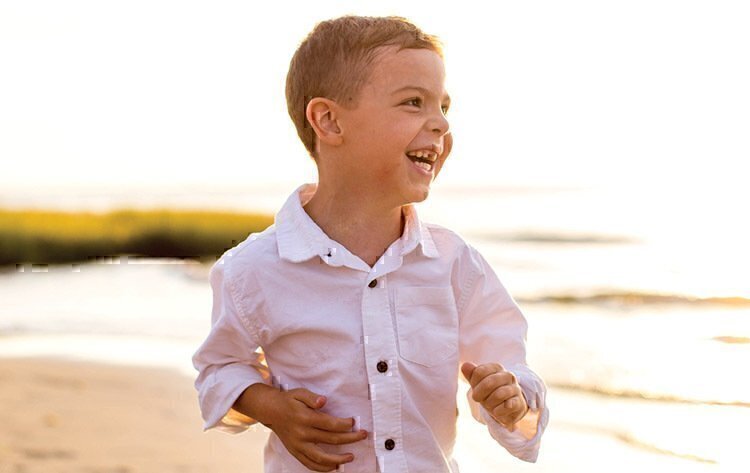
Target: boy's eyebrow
[(446, 97)]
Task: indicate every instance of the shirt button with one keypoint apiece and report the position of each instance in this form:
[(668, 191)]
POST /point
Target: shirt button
[(389, 444), (373, 283), (382, 366)]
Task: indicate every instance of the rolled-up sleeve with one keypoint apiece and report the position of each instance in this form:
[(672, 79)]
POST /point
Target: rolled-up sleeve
[(493, 330), (228, 361)]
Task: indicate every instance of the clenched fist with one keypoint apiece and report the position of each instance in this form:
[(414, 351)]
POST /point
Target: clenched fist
[(498, 391)]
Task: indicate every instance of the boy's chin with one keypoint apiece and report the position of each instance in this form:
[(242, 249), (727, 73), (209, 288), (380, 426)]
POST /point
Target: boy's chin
[(419, 195)]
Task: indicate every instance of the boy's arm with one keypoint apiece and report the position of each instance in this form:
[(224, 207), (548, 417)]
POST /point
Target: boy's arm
[(227, 361), (493, 330)]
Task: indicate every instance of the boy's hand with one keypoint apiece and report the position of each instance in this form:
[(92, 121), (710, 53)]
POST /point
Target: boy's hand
[(293, 417), (497, 391)]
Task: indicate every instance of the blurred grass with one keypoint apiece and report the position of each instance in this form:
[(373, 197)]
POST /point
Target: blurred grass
[(48, 237)]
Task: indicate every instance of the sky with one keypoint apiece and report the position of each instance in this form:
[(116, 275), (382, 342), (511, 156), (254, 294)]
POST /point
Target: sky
[(546, 93)]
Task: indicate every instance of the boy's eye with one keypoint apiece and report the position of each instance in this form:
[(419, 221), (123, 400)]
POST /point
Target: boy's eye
[(417, 101)]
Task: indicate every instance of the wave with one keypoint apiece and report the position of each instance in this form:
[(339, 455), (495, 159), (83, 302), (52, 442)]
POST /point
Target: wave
[(554, 238), (635, 442), (635, 298), (732, 340), (633, 394)]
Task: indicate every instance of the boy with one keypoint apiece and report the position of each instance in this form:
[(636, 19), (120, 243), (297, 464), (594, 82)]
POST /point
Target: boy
[(363, 312)]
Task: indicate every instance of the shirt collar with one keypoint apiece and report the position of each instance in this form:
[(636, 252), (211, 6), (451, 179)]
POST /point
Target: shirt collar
[(300, 238)]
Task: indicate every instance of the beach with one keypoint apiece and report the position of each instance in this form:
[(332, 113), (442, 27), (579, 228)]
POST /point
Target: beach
[(75, 416), (641, 348), (79, 416)]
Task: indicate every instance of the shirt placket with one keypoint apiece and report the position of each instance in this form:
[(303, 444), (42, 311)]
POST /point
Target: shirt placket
[(383, 375)]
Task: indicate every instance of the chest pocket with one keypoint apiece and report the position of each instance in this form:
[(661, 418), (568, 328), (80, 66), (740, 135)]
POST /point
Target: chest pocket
[(427, 324)]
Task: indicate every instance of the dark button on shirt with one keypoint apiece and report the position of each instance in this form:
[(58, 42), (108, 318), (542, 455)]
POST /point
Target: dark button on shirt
[(382, 366), (389, 444), (373, 283)]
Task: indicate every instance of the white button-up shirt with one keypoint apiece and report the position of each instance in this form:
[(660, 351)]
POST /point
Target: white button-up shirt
[(293, 308)]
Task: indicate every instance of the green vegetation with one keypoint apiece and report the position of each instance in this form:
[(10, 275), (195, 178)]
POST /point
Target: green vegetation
[(47, 237)]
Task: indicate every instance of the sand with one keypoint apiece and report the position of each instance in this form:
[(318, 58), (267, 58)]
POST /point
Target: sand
[(81, 417), (69, 416)]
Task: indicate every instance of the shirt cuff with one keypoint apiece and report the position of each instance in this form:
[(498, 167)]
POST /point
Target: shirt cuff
[(514, 442), (227, 384)]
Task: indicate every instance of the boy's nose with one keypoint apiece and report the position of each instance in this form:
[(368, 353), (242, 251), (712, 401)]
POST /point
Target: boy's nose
[(440, 124)]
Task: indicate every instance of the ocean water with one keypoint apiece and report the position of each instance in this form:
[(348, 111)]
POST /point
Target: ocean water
[(638, 305)]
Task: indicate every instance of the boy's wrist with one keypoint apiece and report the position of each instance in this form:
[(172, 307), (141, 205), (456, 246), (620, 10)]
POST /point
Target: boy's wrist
[(255, 402)]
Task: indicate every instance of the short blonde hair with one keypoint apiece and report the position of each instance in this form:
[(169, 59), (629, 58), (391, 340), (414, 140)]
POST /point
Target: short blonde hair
[(335, 60)]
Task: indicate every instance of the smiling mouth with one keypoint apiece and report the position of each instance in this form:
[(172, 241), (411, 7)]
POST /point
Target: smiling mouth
[(421, 163)]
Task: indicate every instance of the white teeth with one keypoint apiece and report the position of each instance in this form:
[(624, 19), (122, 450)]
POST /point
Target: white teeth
[(424, 166), (423, 154)]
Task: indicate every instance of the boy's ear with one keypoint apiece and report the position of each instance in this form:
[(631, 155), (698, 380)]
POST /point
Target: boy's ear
[(322, 114)]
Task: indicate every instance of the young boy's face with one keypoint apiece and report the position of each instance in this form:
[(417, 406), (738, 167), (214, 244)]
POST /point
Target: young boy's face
[(401, 109)]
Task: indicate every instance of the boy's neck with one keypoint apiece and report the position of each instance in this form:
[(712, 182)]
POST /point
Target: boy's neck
[(350, 218)]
